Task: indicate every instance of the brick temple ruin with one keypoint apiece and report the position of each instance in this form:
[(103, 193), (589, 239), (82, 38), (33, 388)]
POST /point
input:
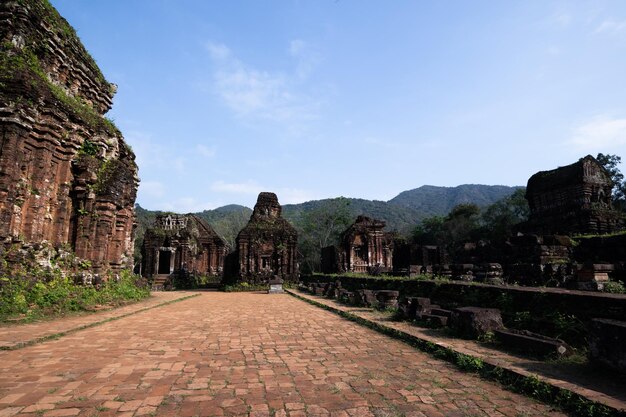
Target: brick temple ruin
[(574, 199), (182, 244), (266, 246), (413, 259), (67, 177), (564, 243), (364, 247), (547, 249)]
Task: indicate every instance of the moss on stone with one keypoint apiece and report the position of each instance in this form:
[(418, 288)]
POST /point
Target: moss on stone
[(22, 67)]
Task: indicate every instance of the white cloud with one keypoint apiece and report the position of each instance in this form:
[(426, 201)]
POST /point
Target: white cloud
[(296, 47), (307, 57), (218, 51), (383, 143), (256, 94), (563, 19), (612, 27), (553, 50), (152, 188), (147, 151), (186, 205), (206, 151), (294, 195), (602, 134), (249, 187), (285, 195), (150, 154), (179, 164)]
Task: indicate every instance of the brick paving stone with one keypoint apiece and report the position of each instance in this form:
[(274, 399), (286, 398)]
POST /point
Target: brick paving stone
[(12, 335), (249, 354), (63, 412), (591, 385), (10, 411)]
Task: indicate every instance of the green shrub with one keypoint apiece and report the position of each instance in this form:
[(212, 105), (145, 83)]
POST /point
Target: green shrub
[(614, 287), (32, 296)]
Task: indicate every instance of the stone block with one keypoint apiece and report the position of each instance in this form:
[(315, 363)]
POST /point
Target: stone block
[(366, 298), (387, 299), (474, 322), (607, 343), (592, 277), (532, 343), (408, 306), (276, 286), (435, 320), (436, 310)]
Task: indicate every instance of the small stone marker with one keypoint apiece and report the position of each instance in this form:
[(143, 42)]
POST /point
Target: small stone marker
[(276, 285)]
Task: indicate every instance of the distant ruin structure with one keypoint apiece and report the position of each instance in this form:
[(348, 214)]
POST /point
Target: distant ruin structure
[(574, 199), (266, 246), (364, 247), (564, 243), (67, 177), (182, 243), (413, 259)]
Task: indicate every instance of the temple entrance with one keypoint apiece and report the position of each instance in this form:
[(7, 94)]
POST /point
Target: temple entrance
[(165, 258)]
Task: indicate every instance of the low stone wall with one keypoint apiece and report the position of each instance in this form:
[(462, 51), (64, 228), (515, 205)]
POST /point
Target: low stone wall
[(552, 312)]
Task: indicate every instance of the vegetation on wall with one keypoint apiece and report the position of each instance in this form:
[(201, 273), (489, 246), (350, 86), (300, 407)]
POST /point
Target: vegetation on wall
[(31, 290), (24, 66)]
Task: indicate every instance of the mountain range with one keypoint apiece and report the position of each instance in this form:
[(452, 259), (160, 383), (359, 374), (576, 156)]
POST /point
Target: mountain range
[(402, 213)]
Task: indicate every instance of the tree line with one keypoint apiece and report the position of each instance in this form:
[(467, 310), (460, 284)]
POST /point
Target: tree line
[(323, 225)]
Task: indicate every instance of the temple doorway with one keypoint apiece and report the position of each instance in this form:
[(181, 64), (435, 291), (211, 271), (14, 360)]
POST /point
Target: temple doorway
[(165, 257)]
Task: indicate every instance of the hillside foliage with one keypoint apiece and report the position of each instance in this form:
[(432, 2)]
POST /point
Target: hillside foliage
[(319, 223)]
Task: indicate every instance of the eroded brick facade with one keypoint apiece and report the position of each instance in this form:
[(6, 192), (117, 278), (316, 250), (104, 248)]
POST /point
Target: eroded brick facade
[(572, 199), (267, 246), (66, 175), (182, 243), (364, 247)]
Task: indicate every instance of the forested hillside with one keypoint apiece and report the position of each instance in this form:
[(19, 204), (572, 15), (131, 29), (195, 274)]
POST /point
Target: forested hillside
[(429, 200), (320, 222)]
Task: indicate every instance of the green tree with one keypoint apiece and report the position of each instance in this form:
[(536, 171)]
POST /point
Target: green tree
[(467, 222), (462, 225), (610, 163), (499, 218), (430, 231), (452, 231), (229, 226), (321, 227)]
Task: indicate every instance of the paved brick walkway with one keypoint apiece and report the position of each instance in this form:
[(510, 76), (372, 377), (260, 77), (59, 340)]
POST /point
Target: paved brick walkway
[(241, 354), (12, 335)]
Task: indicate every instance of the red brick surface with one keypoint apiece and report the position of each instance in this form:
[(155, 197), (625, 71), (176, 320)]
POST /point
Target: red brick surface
[(241, 354), (12, 336)]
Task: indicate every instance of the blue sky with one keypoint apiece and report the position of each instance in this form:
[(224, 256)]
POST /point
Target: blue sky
[(314, 99)]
